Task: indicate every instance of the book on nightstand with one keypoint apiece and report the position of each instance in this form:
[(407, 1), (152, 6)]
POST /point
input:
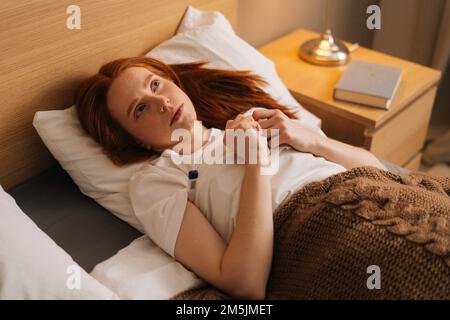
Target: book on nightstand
[(368, 83)]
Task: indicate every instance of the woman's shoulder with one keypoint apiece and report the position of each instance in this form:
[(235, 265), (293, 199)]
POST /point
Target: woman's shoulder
[(157, 173)]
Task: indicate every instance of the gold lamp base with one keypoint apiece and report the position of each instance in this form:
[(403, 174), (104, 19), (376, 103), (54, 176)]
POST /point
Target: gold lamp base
[(325, 51)]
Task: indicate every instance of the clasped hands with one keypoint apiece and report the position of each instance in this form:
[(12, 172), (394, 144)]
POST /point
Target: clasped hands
[(289, 131)]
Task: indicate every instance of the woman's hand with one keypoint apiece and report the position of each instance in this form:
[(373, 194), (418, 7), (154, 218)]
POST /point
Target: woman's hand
[(290, 132), (306, 140), (242, 122), (252, 137)]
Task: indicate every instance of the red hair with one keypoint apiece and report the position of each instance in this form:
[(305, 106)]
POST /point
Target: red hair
[(217, 96)]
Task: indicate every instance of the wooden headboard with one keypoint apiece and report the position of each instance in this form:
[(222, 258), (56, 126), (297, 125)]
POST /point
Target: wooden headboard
[(42, 61)]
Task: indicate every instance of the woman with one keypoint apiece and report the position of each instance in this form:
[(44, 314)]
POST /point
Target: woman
[(224, 233)]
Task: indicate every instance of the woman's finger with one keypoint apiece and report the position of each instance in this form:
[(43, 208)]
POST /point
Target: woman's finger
[(268, 123), (247, 119), (239, 116), (263, 113)]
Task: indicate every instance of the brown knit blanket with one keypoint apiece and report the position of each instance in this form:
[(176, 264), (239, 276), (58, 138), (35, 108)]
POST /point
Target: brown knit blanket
[(328, 233)]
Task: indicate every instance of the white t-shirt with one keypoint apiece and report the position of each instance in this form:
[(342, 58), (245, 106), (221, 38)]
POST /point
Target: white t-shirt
[(159, 190)]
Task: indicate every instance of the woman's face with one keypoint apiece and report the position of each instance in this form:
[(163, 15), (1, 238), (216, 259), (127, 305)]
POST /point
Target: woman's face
[(145, 104)]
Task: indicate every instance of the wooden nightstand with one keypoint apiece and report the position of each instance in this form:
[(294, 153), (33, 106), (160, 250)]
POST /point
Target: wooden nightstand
[(396, 135)]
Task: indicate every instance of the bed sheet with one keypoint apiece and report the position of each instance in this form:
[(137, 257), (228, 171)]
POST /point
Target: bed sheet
[(143, 271)]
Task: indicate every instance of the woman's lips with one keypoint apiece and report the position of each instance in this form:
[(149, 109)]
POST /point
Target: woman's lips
[(177, 114)]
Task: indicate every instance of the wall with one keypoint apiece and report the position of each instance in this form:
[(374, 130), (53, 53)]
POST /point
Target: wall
[(260, 21), (421, 35)]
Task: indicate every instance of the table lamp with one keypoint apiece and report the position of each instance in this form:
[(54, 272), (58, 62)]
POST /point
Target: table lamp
[(325, 51)]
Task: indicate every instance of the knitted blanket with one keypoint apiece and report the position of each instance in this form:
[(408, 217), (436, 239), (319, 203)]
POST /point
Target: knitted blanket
[(361, 234)]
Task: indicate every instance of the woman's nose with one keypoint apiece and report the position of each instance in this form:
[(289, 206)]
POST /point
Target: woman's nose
[(162, 103)]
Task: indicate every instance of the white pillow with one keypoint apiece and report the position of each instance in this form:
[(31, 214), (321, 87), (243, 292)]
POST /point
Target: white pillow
[(201, 36), (209, 36), (93, 172), (33, 266)]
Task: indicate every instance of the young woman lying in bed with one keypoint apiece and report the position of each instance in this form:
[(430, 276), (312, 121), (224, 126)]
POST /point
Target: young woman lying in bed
[(224, 234)]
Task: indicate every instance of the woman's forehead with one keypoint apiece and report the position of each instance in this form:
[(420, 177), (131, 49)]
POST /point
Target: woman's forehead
[(136, 71), (129, 80)]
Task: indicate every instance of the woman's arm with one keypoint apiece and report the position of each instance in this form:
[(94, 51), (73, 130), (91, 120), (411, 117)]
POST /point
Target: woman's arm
[(241, 268), (344, 154), (248, 257), (303, 139)]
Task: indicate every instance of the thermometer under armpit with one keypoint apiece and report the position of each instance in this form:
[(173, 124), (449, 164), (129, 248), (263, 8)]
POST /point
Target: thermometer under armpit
[(193, 176)]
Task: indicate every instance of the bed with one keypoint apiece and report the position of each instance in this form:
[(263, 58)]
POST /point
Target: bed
[(75, 221), (44, 62), (96, 239)]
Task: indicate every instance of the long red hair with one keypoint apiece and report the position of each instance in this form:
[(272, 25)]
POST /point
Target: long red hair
[(217, 96)]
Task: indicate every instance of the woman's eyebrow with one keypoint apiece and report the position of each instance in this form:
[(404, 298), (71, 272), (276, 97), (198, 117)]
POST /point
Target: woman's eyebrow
[(146, 82)]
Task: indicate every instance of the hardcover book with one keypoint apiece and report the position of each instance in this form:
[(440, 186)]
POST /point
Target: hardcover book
[(368, 83)]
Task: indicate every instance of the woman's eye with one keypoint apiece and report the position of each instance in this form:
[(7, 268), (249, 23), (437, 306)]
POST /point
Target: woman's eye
[(155, 85), (139, 110)]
